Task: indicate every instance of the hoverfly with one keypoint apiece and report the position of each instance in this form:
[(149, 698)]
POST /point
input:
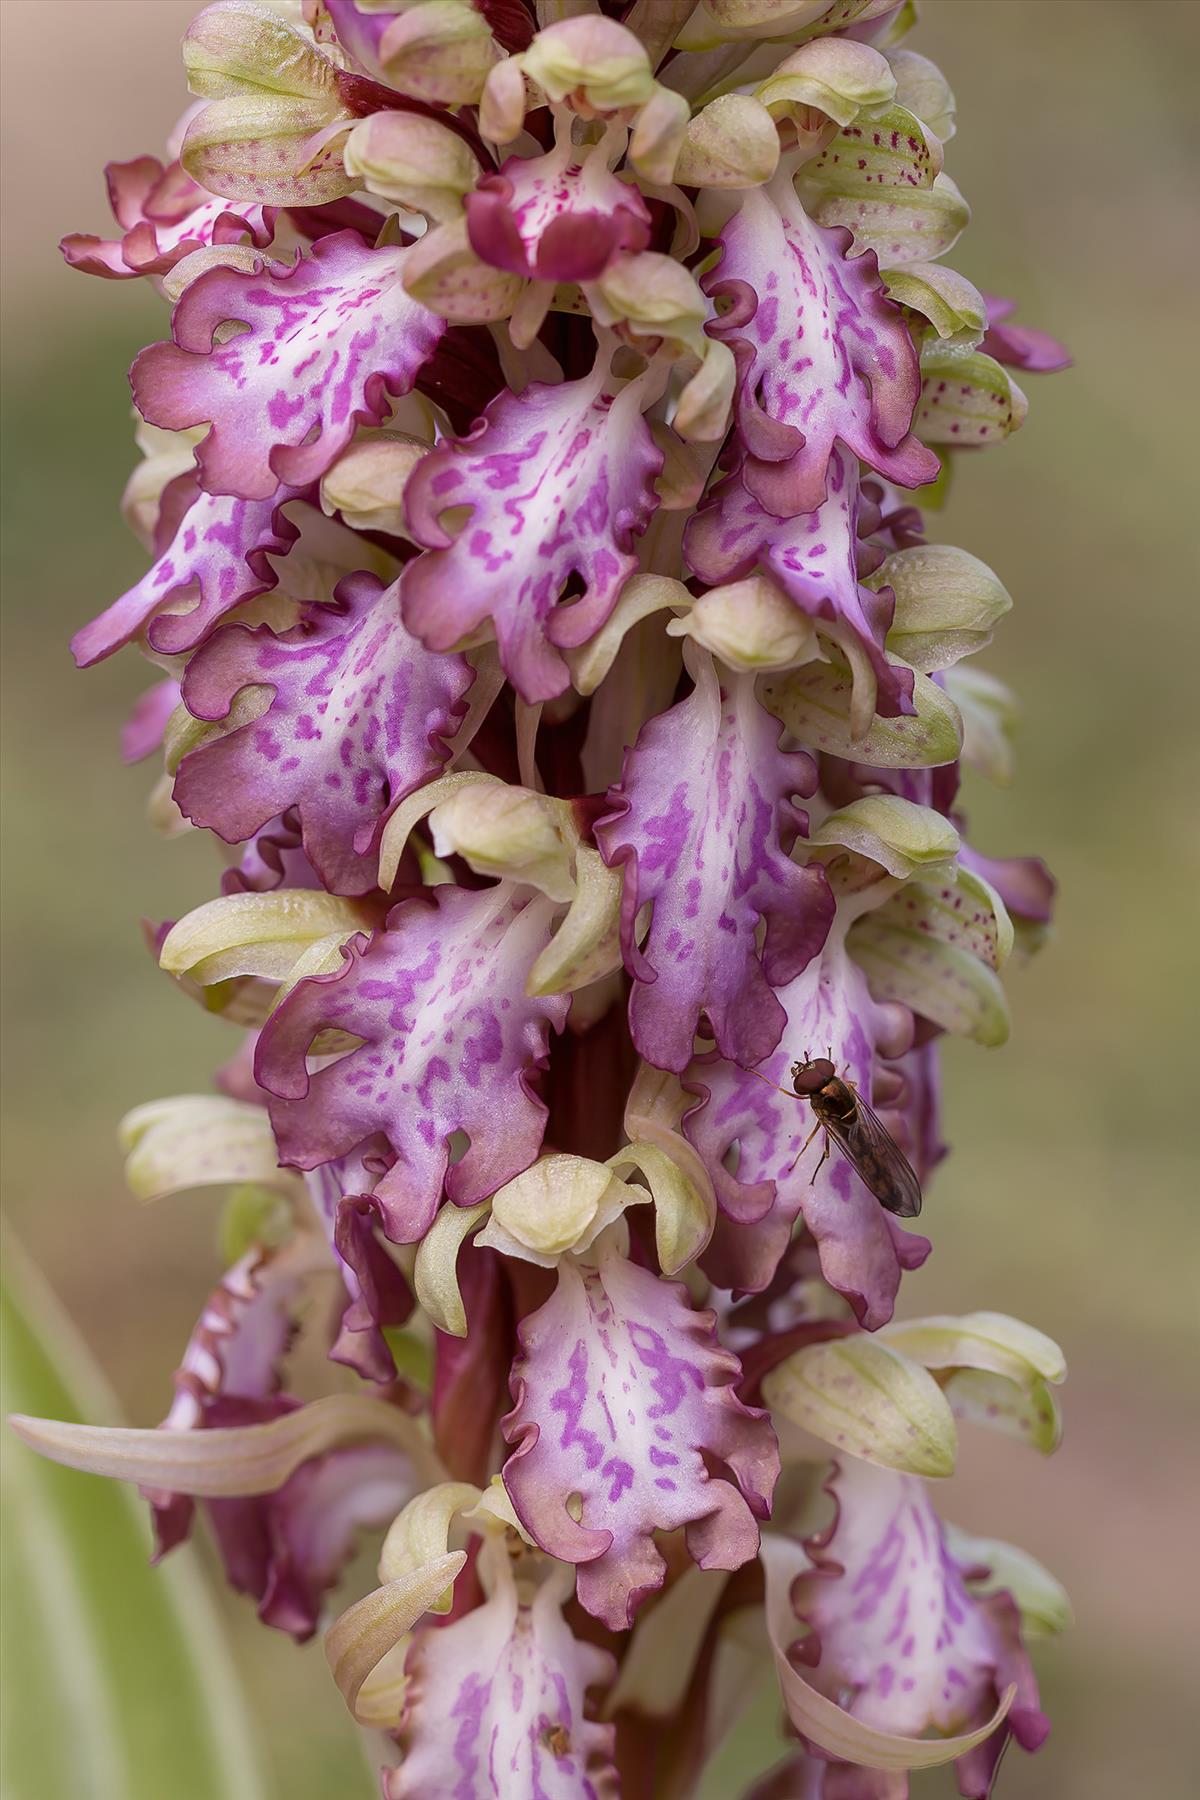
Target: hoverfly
[(859, 1133)]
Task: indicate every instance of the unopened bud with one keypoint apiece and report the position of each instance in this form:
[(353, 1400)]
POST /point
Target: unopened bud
[(366, 483), (440, 51), (993, 1369), (655, 296), (444, 274), (866, 1400), (268, 147), (750, 625), (658, 135), (902, 837), (561, 1204), (241, 46), (508, 831), (833, 76), (592, 62), (412, 160), (733, 143), (504, 102), (947, 602), (259, 934)]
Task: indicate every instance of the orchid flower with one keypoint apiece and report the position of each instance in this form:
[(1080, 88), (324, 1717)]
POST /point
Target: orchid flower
[(547, 633)]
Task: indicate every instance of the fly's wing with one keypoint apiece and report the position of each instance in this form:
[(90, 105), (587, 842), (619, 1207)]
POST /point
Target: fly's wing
[(877, 1159)]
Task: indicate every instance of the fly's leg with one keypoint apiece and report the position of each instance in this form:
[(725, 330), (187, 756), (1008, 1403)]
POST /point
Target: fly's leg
[(821, 1164), (804, 1146)]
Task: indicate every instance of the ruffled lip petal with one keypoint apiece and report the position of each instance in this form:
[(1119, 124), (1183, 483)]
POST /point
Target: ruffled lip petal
[(439, 998), (803, 385), (215, 545), (497, 1703), (142, 734), (863, 1250), (359, 716), (165, 216), (380, 1295), (896, 1639), (621, 1394), (1021, 346), (560, 217), (815, 558), (327, 341), (895, 1643), (559, 480), (705, 823)]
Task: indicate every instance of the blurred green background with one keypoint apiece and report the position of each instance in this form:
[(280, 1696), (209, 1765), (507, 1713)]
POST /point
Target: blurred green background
[(1068, 1198)]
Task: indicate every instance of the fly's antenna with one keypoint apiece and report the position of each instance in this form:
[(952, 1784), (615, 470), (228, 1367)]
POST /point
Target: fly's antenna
[(786, 1092)]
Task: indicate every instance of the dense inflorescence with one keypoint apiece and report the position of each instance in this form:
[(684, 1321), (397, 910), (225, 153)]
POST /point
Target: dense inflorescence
[(547, 632)]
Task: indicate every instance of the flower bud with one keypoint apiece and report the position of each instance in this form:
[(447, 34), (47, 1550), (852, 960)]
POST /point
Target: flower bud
[(444, 274), (702, 415), (653, 295), (1041, 1600), (924, 90), (658, 135), (899, 835), (508, 832), (504, 102), (750, 625), (866, 1400), (239, 47), (953, 306), (366, 483), (722, 23), (990, 715), (593, 63), (733, 143), (995, 1371), (199, 1140), (833, 76), (947, 602), (269, 147), (967, 398), (819, 705), (561, 1204), (979, 1340), (412, 160), (260, 934), (440, 52)]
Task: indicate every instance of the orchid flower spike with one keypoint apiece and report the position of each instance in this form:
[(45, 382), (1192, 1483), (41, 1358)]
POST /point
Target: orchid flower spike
[(545, 630)]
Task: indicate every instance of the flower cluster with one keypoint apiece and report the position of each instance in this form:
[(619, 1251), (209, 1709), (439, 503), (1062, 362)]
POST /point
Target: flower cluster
[(546, 633)]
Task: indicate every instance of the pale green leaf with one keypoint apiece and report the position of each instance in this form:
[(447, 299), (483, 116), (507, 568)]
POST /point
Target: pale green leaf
[(119, 1683)]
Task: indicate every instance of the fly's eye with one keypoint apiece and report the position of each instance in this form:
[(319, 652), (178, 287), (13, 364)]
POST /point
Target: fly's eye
[(807, 1077)]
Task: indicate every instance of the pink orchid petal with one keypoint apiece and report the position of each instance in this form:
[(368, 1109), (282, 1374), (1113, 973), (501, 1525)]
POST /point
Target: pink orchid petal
[(823, 354), (560, 482), (619, 1389), (218, 547), (495, 1706), (705, 822), (863, 1250), (327, 341), (451, 1041), (359, 717)]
